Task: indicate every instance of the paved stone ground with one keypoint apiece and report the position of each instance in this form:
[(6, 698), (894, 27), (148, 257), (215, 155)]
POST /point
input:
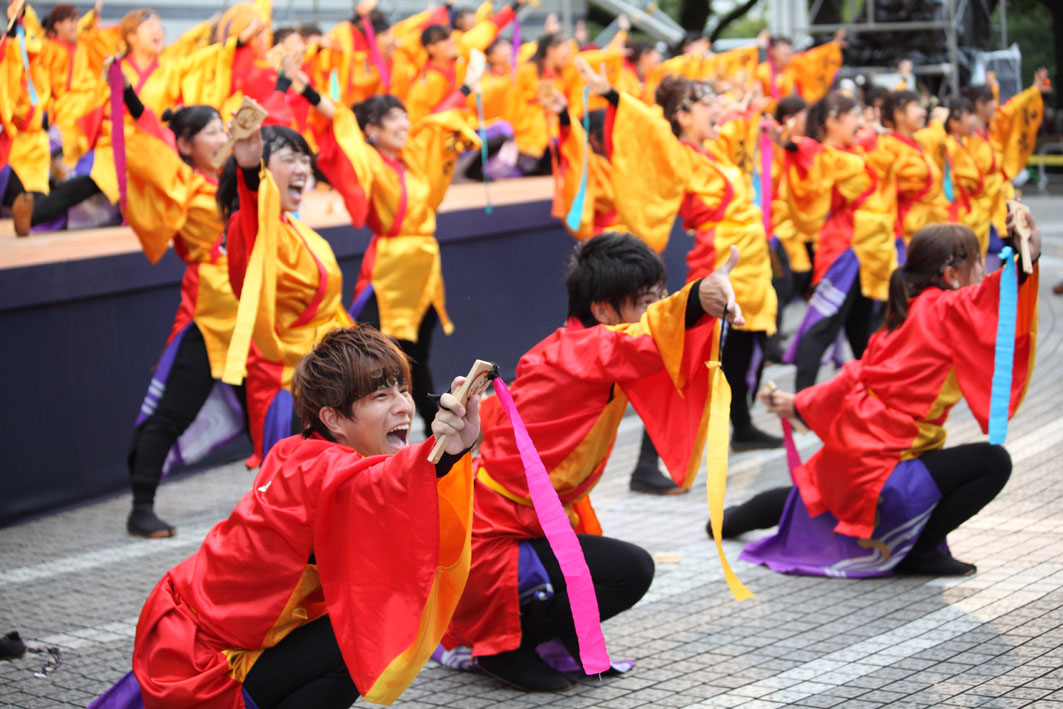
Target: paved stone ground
[(74, 581)]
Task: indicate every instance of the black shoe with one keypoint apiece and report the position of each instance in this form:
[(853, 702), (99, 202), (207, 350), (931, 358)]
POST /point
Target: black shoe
[(649, 481), (143, 522), (11, 646), (524, 669), (933, 563), (752, 438)]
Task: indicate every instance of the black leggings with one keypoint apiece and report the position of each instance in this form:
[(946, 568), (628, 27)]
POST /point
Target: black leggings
[(51, 206), (856, 315), (621, 573), (418, 353), (968, 476), (187, 388), (737, 355), (305, 669)]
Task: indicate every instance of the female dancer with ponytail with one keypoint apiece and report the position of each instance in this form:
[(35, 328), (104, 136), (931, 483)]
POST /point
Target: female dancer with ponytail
[(171, 197), (833, 190), (883, 492), (393, 175), (672, 163)]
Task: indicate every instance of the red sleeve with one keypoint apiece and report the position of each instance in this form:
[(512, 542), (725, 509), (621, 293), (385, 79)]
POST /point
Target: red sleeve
[(503, 17), (456, 99), (240, 237), (818, 405), (253, 80)]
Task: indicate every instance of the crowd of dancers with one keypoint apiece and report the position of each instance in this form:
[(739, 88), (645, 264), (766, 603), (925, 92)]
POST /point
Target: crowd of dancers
[(352, 559)]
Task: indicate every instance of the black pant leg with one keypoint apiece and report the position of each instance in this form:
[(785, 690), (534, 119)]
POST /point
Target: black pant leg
[(860, 322), (306, 669), (737, 356), (762, 511), (621, 574), (969, 477), (187, 388), (14, 189), (820, 336), (418, 352), (63, 196)]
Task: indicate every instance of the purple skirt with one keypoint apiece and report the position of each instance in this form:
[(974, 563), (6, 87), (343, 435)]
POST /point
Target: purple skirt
[(809, 546)]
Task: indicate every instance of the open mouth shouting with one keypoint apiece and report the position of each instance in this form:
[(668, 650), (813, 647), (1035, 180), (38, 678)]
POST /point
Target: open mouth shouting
[(295, 189), (398, 435)]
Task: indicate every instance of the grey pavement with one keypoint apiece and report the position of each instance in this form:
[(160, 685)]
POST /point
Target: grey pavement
[(76, 582)]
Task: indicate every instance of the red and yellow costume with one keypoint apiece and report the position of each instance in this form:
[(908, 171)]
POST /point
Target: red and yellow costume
[(960, 174), (390, 544), (399, 199), (706, 189), (571, 391), (290, 289), (25, 148), (836, 193), (891, 404), (920, 199), (599, 204), (1001, 153), (166, 200), (809, 74)]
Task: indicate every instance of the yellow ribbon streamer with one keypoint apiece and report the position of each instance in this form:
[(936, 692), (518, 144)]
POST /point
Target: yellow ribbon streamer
[(716, 468), (261, 272)]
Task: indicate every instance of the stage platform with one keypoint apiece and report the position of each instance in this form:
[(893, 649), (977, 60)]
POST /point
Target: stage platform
[(85, 317)]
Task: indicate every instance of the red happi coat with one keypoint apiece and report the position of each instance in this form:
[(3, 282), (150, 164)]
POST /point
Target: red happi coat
[(390, 543), (571, 390), (892, 404)]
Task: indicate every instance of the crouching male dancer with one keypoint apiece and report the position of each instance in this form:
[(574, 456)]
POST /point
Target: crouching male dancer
[(338, 572), (625, 341)]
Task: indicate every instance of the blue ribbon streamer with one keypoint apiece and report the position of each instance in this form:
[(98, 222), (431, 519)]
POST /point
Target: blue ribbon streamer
[(1000, 398), (950, 191), (575, 214), (334, 85), (483, 149), (26, 65)]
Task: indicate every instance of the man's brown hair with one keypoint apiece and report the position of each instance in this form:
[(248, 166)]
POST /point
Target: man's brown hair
[(346, 365)]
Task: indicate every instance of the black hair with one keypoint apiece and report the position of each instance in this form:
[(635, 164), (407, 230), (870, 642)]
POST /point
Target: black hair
[(309, 29), (498, 42), (832, 105), (188, 121), (896, 101), (273, 139), (873, 93), (550, 39), (957, 105), (372, 111), (459, 13), (613, 268), (778, 39), (282, 33), (931, 250), (688, 39), (596, 121), (789, 107), (978, 93), (58, 14), (379, 21), (433, 33), (638, 47)]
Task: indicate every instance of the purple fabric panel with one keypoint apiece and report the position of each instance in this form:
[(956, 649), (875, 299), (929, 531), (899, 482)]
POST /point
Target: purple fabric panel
[(359, 303), (809, 546), (902, 251), (158, 381), (123, 694), (826, 299), (5, 177), (278, 420)]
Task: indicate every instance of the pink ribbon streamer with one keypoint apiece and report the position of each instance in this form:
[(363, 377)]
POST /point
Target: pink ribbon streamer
[(374, 54), (793, 458), (766, 153), (516, 44), (117, 84), (563, 542)]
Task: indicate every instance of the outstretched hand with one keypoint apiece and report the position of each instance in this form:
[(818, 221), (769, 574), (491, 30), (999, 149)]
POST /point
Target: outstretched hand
[(780, 403), (717, 295), (248, 151), (460, 423), (596, 81), (475, 69)]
